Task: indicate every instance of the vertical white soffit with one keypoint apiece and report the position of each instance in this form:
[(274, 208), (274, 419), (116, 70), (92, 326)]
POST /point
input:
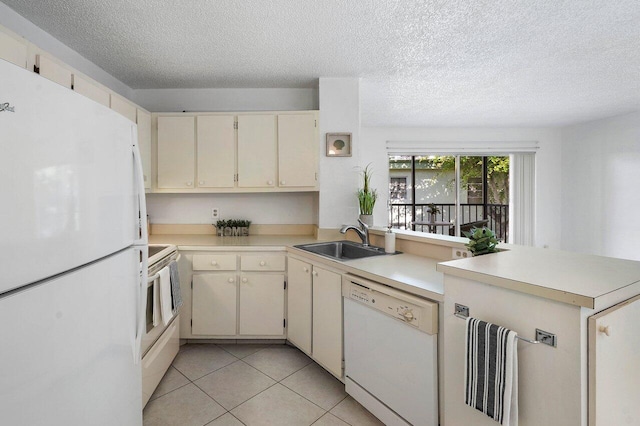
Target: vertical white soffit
[(461, 147)]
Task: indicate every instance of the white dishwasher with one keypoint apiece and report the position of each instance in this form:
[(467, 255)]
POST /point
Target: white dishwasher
[(391, 352)]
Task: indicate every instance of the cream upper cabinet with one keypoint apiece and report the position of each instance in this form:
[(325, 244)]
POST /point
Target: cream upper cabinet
[(216, 142), (53, 71), (297, 150), (90, 90), (13, 49), (176, 152), (123, 107), (299, 304), (257, 151), (143, 119)]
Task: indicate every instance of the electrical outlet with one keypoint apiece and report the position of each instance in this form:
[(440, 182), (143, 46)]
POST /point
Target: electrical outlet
[(215, 213), (458, 253)]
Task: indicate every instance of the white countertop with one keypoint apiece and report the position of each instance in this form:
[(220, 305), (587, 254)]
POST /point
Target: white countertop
[(414, 274), (579, 279)]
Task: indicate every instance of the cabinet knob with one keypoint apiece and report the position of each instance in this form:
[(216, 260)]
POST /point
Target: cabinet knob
[(604, 329), (244, 280), (232, 280), (305, 269), (189, 183), (314, 273), (269, 182), (201, 182), (282, 182), (214, 263), (262, 263)]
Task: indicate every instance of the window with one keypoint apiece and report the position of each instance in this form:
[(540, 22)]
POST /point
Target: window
[(428, 200)]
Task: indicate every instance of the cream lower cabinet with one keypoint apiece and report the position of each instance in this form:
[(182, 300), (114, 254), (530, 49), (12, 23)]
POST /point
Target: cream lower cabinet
[(236, 295), (314, 303), (214, 304)]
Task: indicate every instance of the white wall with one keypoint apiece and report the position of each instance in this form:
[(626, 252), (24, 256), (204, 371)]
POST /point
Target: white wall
[(45, 41), (280, 209), (172, 100), (339, 176), (548, 194), (600, 187)]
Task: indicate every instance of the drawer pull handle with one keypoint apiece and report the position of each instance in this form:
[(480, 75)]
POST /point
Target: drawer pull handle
[(189, 183), (244, 280), (314, 273), (214, 263), (232, 280), (270, 182), (282, 182), (262, 263), (201, 182)]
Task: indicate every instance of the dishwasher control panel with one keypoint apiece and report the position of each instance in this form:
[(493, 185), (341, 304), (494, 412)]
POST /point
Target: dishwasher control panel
[(417, 312)]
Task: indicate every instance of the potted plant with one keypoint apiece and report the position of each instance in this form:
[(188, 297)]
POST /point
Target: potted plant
[(367, 197), (433, 210), (220, 225), (243, 225), (481, 241)]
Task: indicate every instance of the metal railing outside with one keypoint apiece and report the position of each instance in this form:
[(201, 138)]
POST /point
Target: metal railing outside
[(498, 215)]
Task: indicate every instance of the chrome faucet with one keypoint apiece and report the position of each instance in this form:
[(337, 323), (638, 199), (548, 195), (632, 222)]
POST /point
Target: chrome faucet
[(362, 231)]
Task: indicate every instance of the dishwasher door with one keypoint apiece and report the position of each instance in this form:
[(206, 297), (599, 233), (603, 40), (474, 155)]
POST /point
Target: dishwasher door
[(392, 362)]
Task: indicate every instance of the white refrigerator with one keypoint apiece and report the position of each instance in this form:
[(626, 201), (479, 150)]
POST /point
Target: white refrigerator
[(73, 257)]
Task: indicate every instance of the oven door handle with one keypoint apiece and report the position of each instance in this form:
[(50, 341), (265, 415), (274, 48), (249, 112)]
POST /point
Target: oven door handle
[(155, 276)]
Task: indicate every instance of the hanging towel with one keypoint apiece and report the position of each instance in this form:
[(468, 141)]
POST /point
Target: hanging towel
[(175, 286), (491, 371), (165, 295), (156, 302)]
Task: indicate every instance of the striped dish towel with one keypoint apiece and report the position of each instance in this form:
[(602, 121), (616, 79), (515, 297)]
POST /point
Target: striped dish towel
[(491, 371), (176, 296)]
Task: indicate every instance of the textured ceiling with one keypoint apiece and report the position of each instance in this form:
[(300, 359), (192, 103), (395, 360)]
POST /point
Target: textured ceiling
[(422, 63)]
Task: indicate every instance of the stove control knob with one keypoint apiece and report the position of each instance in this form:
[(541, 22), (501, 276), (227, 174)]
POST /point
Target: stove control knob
[(407, 314)]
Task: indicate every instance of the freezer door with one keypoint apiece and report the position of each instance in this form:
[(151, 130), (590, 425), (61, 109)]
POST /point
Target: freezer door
[(68, 348), (66, 178)]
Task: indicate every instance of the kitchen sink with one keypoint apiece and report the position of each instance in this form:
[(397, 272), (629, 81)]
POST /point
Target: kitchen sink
[(342, 250)]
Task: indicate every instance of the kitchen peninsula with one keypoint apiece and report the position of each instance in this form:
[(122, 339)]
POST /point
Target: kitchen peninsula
[(520, 288)]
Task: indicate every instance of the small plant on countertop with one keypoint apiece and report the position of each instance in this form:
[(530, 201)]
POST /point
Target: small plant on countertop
[(221, 224), (481, 241), (366, 196), (243, 223)]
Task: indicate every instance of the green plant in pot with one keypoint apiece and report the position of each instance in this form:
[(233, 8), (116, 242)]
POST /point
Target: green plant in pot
[(367, 197), (481, 241), (433, 210)]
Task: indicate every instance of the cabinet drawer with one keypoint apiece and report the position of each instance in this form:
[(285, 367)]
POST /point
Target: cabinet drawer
[(268, 262), (214, 262)]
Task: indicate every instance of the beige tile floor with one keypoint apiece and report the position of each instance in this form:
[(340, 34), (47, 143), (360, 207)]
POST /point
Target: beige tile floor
[(228, 385)]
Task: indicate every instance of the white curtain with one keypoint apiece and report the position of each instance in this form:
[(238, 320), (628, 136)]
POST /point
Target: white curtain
[(522, 170)]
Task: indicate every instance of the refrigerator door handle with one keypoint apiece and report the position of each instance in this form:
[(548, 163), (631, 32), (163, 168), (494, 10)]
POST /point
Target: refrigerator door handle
[(141, 220), (141, 304)]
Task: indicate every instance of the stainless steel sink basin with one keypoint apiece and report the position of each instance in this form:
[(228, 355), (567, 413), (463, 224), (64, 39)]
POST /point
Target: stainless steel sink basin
[(342, 250)]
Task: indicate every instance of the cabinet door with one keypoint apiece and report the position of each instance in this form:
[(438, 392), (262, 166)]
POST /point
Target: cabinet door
[(299, 305), (51, 70), (257, 151), (90, 90), (327, 320), (123, 107), (13, 50), (613, 365), (176, 152), (297, 150), (143, 119), (214, 304), (262, 304), (216, 151)]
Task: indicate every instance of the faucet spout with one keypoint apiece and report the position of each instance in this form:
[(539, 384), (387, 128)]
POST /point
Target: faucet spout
[(362, 231)]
